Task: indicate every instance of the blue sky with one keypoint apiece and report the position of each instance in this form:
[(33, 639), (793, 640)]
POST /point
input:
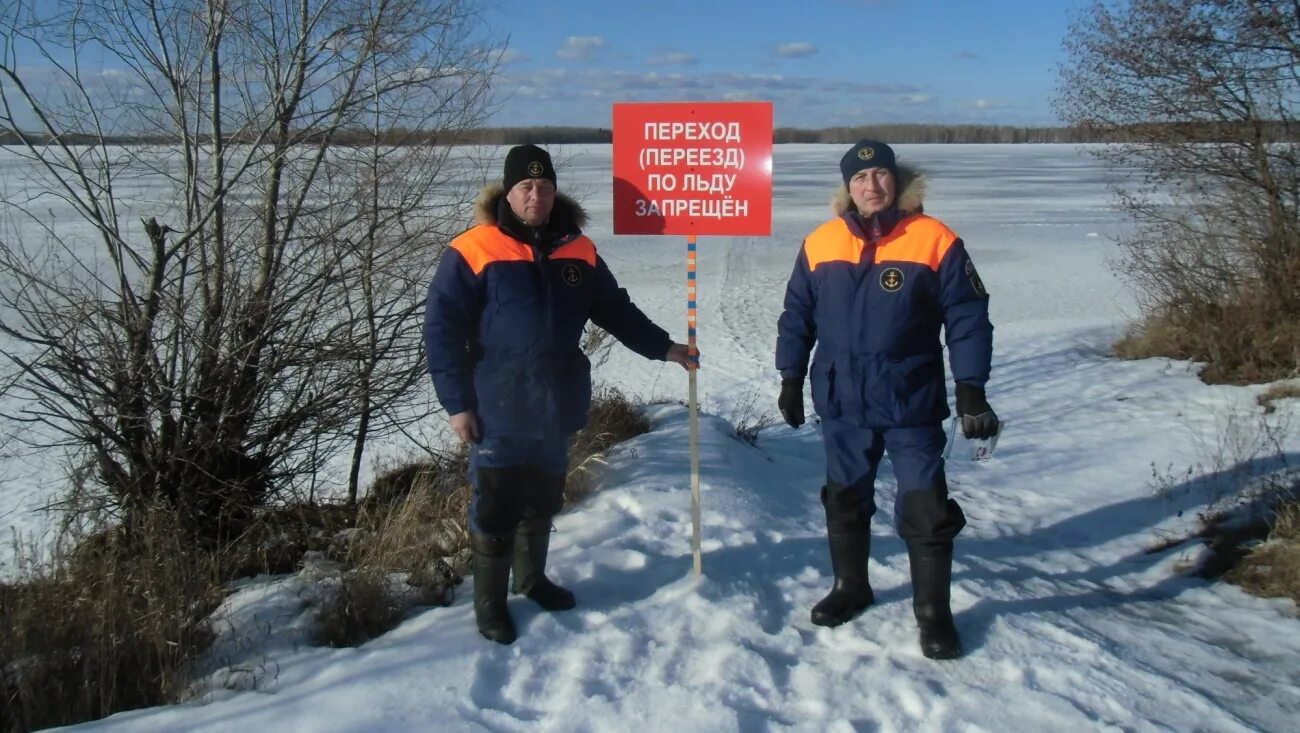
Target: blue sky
[(822, 62)]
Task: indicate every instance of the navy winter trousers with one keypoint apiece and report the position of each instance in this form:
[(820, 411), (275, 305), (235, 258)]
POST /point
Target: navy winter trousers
[(516, 478), (923, 513)]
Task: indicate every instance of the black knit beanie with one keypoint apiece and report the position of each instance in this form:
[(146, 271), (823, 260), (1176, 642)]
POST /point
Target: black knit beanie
[(527, 161), (867, 154)]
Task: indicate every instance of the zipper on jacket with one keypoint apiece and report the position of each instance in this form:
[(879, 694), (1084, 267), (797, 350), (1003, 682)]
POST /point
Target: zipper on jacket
[(542, 261)]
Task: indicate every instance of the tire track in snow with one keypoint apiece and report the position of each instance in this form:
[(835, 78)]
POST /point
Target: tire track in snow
[(748, 304)]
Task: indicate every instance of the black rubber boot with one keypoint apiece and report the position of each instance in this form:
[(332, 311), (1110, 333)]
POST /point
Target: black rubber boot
[(491, 581), (931, 583), (531, 546), (852, 593)]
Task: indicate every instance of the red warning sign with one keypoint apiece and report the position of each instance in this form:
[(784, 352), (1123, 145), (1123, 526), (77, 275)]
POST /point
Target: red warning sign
[(693, 168)]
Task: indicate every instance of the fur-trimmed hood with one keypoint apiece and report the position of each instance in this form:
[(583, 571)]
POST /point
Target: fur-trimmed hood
[(910, 198), (567, 214)]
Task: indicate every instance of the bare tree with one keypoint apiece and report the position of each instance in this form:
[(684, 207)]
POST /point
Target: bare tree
[(1207, 93), (212, 345)]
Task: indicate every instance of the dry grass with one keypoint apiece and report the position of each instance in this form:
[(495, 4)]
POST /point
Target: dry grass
[(278, 537), (413, 518), (1288, 390), (1240, 343), (440, 473), (416, 514), (115, 624), (111, 627), (361, 607), (613, 418), (1272, 569), (1250, 489)]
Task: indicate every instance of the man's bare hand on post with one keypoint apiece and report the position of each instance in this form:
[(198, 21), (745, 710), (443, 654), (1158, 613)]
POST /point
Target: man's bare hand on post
[(465, 426), (681, 354)]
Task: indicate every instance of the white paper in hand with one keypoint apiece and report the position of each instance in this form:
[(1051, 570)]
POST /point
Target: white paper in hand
[(963, 447)]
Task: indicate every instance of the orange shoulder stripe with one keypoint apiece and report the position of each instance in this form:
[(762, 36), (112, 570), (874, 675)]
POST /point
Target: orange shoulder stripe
[(832, 242), (484, 244), (920, 239), (581, 248)]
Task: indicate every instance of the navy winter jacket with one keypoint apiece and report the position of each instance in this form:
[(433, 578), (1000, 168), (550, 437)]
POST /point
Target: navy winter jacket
[(873, 295), (505, 316)]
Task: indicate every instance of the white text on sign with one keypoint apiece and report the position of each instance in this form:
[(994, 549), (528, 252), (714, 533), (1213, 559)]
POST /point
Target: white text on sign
[(725, 131), (717, 183), (698, 208), (702, 157)]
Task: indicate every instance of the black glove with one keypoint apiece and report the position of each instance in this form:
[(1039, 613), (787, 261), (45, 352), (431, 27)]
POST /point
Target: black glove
[(791, 402), (978, 421)]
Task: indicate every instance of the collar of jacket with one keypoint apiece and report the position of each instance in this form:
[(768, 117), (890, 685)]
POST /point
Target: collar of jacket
[(565, 224), (910, 201)]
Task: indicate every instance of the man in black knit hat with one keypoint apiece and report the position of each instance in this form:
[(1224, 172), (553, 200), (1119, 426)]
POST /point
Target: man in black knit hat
[(503, 323)]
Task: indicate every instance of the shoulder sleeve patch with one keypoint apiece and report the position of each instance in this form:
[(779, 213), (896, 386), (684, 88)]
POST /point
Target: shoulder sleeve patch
[(975, 282)]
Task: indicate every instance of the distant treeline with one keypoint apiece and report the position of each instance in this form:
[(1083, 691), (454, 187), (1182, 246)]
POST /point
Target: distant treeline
[(913, 133), (893, 133)]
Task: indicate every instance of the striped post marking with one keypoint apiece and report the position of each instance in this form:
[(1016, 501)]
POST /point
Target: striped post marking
[(692, 408)]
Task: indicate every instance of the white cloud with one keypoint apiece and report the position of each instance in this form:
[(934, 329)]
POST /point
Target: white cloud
[(581, 96), (564, 83), (673, 58), (503, 55), (580, 48), (795, 50)]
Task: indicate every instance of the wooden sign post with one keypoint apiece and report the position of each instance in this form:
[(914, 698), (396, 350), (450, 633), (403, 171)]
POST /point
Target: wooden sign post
[(693, 168)]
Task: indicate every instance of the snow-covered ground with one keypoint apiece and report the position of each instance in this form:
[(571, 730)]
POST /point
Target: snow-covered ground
[(1069, 621)]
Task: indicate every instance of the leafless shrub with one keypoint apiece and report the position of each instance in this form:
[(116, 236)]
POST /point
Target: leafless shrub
[(1205, 92), (748, 419), (214, 346), (1166, 481)]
